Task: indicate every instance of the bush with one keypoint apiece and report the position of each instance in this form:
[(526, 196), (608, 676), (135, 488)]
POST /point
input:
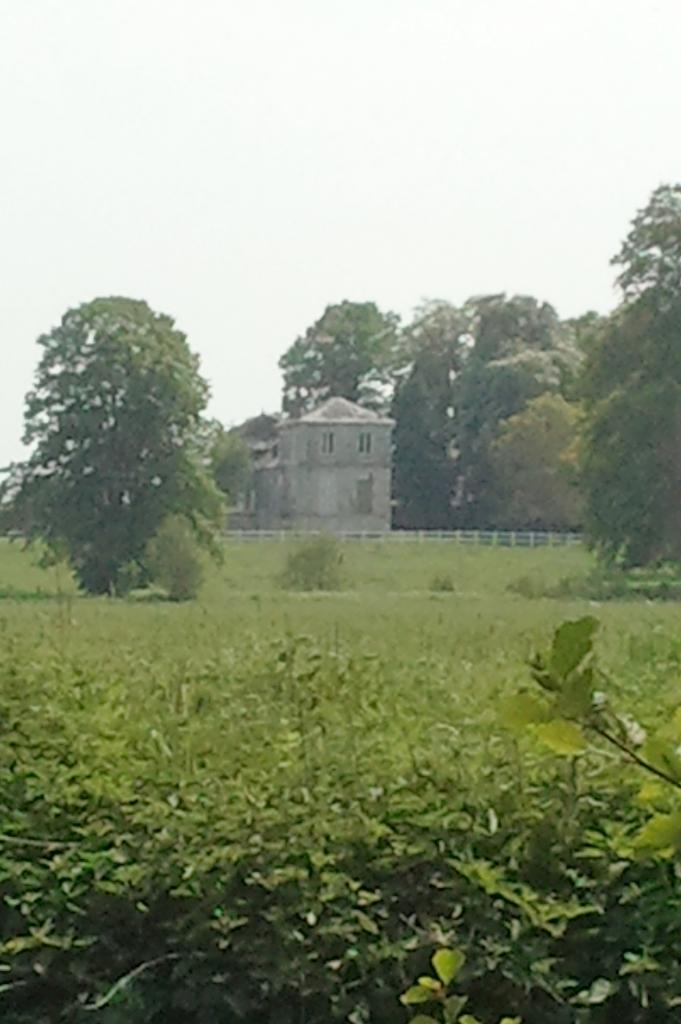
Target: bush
[(529, 585), (605, 583), (273, 846), (314, 565), (442, 583), (129, 577), (174, 560)]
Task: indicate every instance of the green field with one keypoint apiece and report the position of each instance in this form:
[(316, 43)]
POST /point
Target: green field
[(281, 803)]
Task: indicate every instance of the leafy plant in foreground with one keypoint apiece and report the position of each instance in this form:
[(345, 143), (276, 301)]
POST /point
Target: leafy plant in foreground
[(448, 1005), (572, 709)]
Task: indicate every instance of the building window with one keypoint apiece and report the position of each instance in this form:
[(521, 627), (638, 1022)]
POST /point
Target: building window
[(365, 497), (364, 443), (327, 443)]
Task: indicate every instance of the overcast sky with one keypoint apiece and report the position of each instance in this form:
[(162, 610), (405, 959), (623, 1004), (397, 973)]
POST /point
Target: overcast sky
[(240, 164)]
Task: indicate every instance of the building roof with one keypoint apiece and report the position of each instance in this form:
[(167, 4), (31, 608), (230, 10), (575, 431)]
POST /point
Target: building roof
[(341, 410)]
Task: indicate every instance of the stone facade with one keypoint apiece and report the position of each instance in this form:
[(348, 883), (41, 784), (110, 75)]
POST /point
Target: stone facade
[(328, 470)]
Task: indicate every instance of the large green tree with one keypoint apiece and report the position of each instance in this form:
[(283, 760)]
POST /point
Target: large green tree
[(349, 352), (534, 462), (519, 349), (433, 349), (112, 419), (632, 391)]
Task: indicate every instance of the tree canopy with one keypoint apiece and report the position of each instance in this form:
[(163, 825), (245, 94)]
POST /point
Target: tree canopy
[(632, 388), (231, 464), (433, 349), (520, 349), (534, 462), (347, 353), (467, 370), (112, 419)]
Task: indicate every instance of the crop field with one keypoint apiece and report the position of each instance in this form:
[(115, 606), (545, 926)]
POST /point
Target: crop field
[(274, 806)]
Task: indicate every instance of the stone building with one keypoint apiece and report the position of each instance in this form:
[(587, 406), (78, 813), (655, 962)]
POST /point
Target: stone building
[(327, 470)]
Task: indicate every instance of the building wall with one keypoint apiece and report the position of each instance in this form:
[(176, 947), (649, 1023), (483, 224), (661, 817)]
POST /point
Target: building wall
[(319, 484)]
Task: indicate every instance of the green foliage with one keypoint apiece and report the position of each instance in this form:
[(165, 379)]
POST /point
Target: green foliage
[(631, 384), (112, 417), (464, 372), (173, 559), (519, 350), (442, 583), (271, 807), (315, 564), (129, 576), (533, 460), (231, 465), (446, 964), (605, 583), (575, 709), (650, 256), (433, 351), (347, 353)]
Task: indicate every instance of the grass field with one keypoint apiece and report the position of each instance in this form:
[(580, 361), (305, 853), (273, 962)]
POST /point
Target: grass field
[(253, 736), (387, 604)]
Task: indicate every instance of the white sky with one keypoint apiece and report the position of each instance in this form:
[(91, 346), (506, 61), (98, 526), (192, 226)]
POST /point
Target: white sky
[(239, 164)]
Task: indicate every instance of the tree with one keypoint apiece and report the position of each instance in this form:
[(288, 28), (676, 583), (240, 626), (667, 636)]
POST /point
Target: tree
[(632, 390), (650, 256), (113, 419), (231, 464), (519, 350), (347, 353), (534, 464), (433, 348)]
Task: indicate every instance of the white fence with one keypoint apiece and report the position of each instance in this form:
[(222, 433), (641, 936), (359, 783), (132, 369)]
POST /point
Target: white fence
[(498, 538)]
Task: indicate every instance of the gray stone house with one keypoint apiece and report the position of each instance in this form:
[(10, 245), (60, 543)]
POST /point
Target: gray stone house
[(327, 470)]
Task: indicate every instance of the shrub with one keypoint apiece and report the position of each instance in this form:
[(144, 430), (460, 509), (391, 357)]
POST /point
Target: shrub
[(129, 577), (442, 583), (529, 585), (314, 565), (174, 560)]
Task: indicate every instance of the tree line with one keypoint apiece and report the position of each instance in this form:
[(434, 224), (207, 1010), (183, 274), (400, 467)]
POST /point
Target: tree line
[(483, 397), (506, 416)]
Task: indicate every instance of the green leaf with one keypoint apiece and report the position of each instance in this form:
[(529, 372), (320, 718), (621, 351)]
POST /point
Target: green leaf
[(430, 983), (599, 992), (468, 1019), (447, 963), (662, 834), (571, 643), (416, 994), (561, 736), (366, 923), (660, 752), (522, 709), (454, 1005), (422, 1018), (511, 1020), (576, 696)]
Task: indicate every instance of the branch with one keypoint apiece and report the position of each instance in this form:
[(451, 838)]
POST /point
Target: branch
[(38, 844), (641, 762), (123, 982)]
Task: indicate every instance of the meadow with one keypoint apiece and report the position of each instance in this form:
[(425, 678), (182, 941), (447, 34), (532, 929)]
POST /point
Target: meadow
[(275, 806)]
